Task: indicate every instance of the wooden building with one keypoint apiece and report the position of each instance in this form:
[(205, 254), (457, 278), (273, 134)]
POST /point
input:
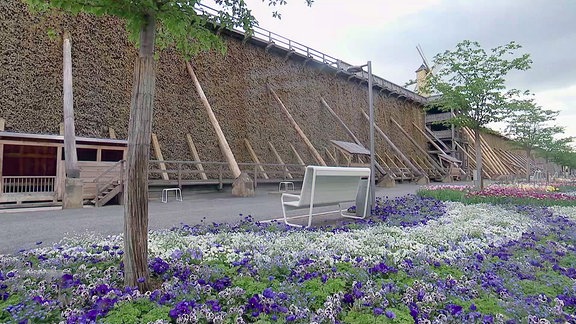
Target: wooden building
[(32, 167)]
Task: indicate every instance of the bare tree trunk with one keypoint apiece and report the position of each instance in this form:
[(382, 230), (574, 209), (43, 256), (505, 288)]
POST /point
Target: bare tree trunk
[(478, 183), (139, 132)]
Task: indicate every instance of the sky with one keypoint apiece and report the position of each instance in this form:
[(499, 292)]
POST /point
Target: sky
[(386, 32)]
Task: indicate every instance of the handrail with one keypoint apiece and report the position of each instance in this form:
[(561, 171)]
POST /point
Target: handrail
[(99, 189), (289, 45), (27, 184)]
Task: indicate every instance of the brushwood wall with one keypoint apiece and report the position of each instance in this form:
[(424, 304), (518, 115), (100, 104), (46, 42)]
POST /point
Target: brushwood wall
[(235, 84)]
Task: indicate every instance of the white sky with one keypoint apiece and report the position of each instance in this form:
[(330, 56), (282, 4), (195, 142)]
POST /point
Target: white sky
[(387, 32)]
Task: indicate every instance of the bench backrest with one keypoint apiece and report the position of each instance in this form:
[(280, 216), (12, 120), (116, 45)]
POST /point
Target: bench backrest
[(331, 184)]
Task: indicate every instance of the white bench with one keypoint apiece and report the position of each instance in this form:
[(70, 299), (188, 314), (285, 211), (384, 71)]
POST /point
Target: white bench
[(328, 186), (177, 193)]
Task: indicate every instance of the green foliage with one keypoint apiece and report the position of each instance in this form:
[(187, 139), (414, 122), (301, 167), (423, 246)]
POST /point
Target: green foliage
[(319, 291), (444, 194), (569, 261), (444, 270), (52, 34), (472, 82), (137, 311), (364, 317), (250, 285), (459, 196), (5, 317)]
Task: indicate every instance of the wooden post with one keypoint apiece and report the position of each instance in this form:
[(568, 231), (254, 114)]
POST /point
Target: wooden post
[(71, 159), (426, 154), (395, 148), (314, 152), (255, 159), (196, 157), (2, 124), (298, 157), (112, 132), (1, 164), (159, 157), (222, 142), (280, 161)]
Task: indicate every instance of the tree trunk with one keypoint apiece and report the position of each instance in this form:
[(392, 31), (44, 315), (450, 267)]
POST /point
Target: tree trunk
[(528, 169), (478, 183), (139, 131)]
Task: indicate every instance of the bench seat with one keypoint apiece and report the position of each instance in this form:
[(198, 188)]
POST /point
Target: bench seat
[(329, 186)]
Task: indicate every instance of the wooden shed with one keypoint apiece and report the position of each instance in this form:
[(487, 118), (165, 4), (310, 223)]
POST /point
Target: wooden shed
[(32, 166)]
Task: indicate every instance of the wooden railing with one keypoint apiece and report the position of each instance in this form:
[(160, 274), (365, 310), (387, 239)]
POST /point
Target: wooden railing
[(290, 46), (183, 172), (114, 173), (26, 184)]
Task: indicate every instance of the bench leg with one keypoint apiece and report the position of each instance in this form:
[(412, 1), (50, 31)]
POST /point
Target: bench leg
[(286, 218)]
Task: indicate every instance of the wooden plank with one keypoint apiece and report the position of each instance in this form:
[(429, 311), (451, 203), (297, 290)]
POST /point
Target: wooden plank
[(255, 158), (159, 157), (280, 161), (489, 172), (298, 157), (71, 159), (303, 136), (435, 164), (437, 140), (112, 132), (222, 142), (2, 124), (395, 148), (196, 156)]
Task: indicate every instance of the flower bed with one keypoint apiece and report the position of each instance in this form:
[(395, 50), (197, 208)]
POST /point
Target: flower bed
[(419, 259), (525, 194)]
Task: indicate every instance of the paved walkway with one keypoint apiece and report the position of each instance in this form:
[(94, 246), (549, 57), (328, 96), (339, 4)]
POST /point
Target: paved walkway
[(21, 229)]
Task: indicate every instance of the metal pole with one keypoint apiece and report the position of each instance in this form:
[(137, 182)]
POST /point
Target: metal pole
[(372, 152)]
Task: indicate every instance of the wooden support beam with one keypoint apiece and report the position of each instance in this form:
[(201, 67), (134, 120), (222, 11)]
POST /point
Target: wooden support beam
[(2, 124), (331, 156), (280, 161), (159, 157), (489, 171), (429, 139), (255, 158), (196, 156), (436, 139), (112, 132), (341, 122), (435, 164), (222, 142), (487, 153), (298, 157), (2, 163), (314, 152), (71, 160), (395, 148)]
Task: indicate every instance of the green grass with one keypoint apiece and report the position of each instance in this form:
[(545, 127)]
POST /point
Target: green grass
[(459, 196)]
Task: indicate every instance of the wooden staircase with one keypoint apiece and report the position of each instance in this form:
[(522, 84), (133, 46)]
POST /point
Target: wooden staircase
[(109, 184)]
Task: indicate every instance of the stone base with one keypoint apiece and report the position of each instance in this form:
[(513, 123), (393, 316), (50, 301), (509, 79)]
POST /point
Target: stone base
[(423, 180), (387, 182), (73, 193), (447, 179), (243, 186)]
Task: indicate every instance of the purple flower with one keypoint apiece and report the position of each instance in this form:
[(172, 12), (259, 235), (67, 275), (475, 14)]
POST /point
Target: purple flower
[(390, 314), (268, 293), (378, 311)]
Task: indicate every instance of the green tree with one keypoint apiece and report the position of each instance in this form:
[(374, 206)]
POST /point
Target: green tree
[(472, 85), (528, 127), (151, 24), (552, 148)]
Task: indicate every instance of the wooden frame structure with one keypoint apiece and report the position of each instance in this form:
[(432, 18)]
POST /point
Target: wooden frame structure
[(32, 166)]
